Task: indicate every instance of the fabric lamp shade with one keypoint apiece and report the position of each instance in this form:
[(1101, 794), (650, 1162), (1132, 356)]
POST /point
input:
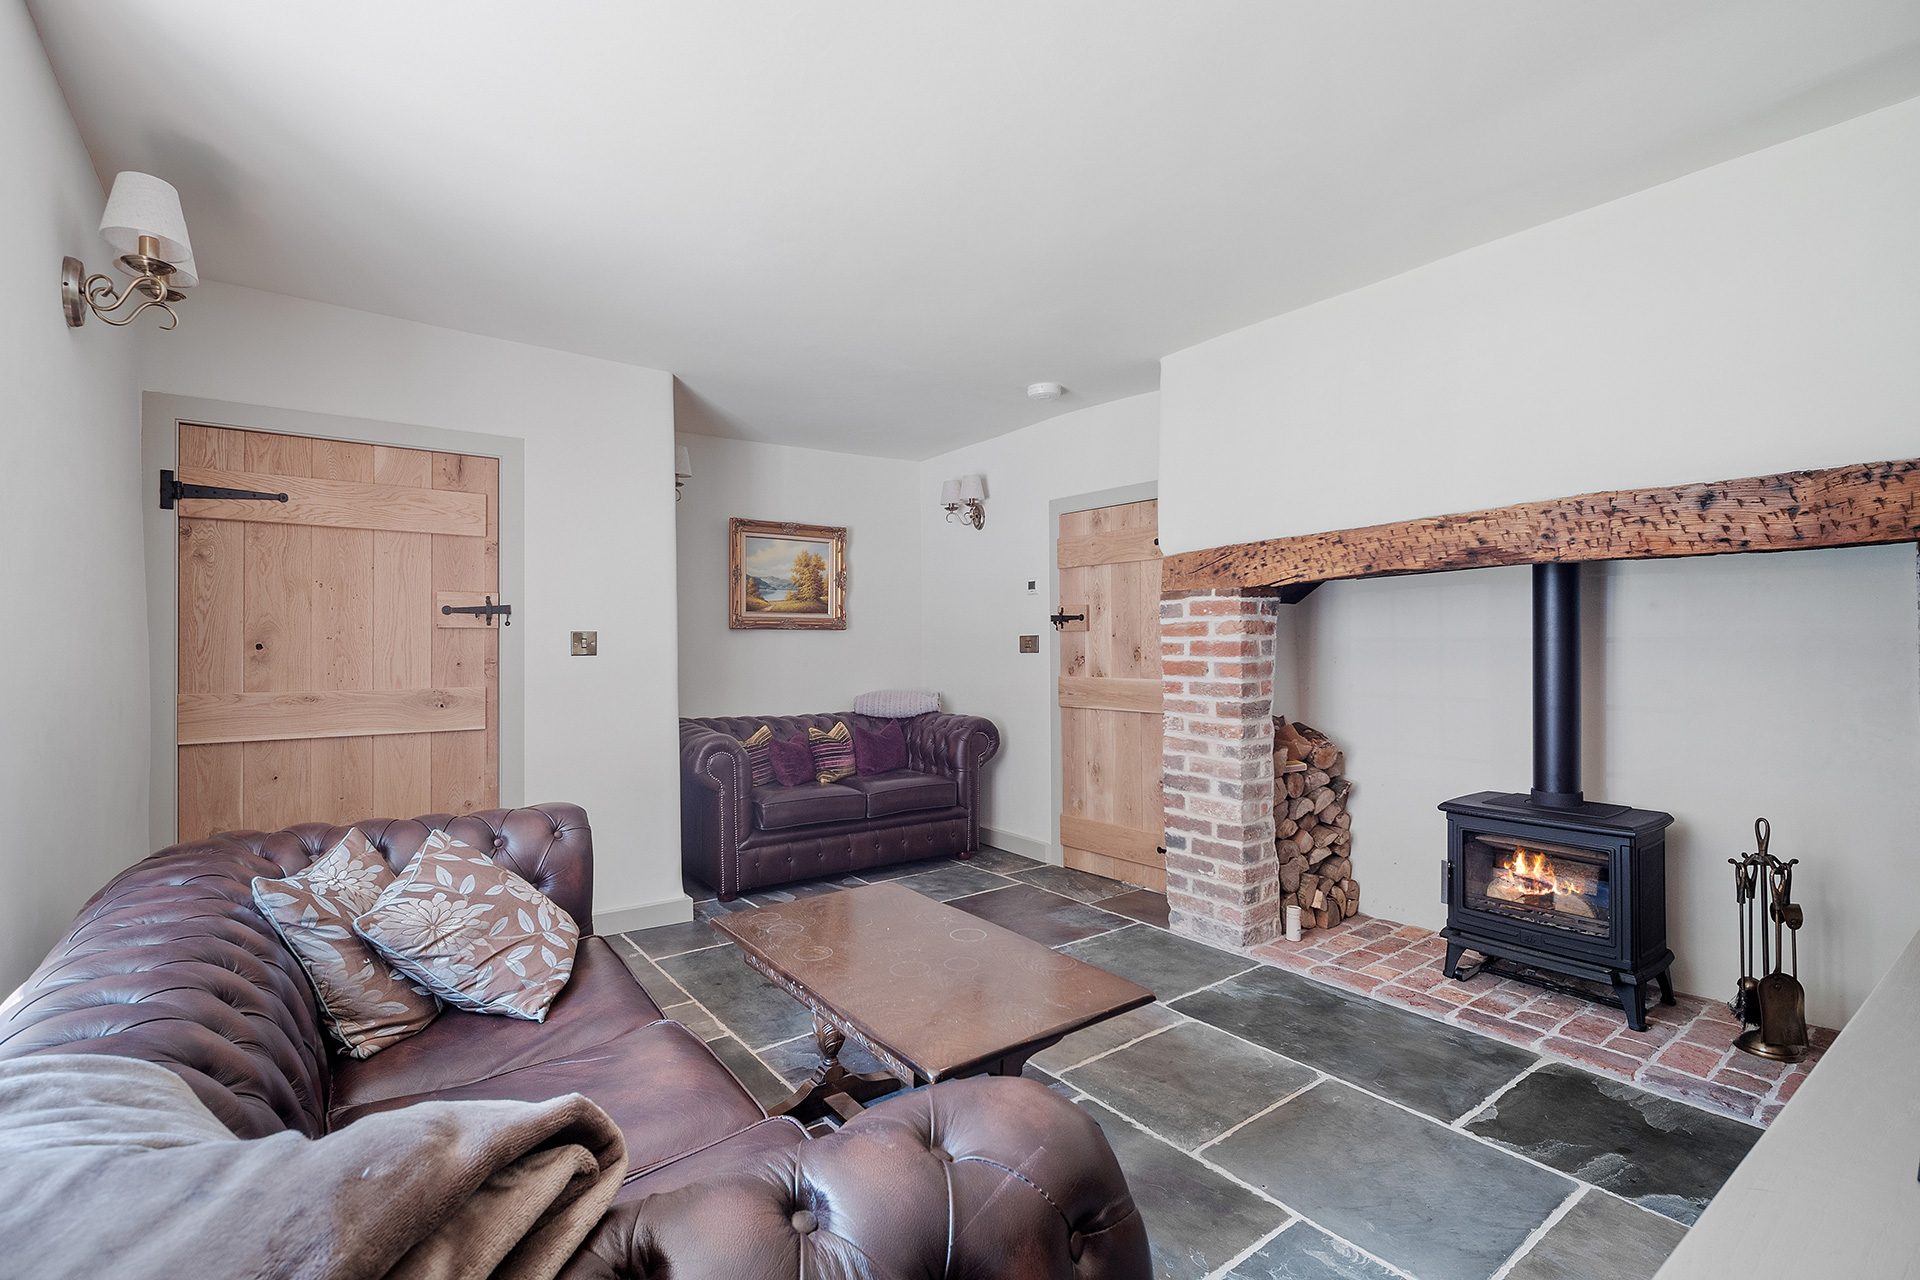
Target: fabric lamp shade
[(143, 205), (682, 463), (973, 488), (949, 493), (185, 274)]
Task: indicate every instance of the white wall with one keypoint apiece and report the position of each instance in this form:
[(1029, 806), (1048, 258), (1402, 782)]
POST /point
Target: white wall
[(73, 671), (1720, 690), (1755, 317), (975, 603), (725, 672), (1760, 316), (601, 731)]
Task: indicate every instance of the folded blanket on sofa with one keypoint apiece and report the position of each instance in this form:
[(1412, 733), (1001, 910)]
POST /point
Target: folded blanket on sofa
[(111, 1167), (896, 704)]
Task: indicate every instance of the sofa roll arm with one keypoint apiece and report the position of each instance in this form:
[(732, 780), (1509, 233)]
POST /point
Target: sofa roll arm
[(717, 762), (984, 1177), (944, 743)]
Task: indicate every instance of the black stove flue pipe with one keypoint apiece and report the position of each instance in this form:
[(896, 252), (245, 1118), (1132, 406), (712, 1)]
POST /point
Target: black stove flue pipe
[(1556, 685)]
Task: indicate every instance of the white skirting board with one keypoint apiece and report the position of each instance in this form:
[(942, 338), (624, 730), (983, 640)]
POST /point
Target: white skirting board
[(648, 915), (1025, 846), (1833, 1187)]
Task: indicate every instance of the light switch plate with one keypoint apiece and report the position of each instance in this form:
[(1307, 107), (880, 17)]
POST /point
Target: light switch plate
[(1029, 644), (1033, 586), (586, 644)]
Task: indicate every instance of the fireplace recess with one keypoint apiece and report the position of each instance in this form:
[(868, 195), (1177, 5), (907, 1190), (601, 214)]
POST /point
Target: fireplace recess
[(1550, 878)]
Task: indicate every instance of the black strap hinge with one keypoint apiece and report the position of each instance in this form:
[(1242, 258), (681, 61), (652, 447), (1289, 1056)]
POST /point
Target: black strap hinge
[(1060, 620), (171, 491), (489, 611)]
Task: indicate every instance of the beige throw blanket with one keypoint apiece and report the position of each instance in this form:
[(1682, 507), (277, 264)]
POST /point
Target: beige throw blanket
[(111, 1167)]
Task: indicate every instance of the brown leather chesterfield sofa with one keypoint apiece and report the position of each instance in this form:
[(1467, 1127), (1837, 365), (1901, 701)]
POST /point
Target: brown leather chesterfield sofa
[(984, 1177), (736, 837)]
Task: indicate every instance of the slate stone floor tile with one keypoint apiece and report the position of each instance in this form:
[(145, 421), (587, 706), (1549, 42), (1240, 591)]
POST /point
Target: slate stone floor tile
[(1430, 1201), (1066, 1091), (708, 908), (1196, 1220), (1190, 1083), (803, 889), (1168, 966), (988, 858), (796, 1059), (1662, 1155), (672, 939), (895, 871), (750, 1006), (1102, 1036), (1047, 918), (660, 989), (1443, 1070), (1083, 885), (1304, 1252), (1143, 905), (1601, 1238), (696, 1019), (767, 1088), (698, 890), (954, 880)]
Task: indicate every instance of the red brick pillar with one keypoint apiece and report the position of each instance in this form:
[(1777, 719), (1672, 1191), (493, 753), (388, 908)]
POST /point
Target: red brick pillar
[(1223, 880)]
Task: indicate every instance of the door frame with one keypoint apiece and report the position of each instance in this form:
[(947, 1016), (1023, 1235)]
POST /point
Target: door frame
[(1146, 490), (160, 419)]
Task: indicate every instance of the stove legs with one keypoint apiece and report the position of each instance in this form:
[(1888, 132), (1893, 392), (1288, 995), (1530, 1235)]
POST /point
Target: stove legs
[(1633, 996), (1630, 991)]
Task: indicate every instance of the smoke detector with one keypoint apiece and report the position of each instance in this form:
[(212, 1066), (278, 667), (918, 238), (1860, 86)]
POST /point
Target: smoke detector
[(1045, 391)]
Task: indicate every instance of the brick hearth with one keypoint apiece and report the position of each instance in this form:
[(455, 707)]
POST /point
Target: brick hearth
[(1686, 1051)]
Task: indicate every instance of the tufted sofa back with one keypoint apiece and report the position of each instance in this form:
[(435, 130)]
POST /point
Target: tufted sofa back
[(171, 963)]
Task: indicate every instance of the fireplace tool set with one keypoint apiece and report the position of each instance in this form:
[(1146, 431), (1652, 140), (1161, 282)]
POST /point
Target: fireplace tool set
[(1774, 1003)]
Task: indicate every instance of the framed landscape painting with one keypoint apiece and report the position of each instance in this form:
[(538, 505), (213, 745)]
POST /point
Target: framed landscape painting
[(786, 577)]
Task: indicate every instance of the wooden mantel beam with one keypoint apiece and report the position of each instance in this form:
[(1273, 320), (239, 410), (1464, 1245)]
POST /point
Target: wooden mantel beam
[(1869, 503)]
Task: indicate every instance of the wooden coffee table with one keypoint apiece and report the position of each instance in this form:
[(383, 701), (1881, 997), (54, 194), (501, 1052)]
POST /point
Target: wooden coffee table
[(929, 990)]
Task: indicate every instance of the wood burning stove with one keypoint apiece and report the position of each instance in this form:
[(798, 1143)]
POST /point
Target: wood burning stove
[(1549, 878)]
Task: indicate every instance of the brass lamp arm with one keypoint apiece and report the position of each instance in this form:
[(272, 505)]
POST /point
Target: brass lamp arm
[(153, 288)]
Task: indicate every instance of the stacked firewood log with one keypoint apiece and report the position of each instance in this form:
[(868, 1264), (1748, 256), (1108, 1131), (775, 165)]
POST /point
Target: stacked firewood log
[(1312, 828)]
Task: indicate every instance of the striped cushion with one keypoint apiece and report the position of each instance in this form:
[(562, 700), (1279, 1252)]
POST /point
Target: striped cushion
[(759, 745), (832, 752)]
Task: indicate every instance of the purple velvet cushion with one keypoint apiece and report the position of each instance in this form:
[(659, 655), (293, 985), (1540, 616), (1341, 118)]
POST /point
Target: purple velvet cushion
[(792, 761), (882, 751)]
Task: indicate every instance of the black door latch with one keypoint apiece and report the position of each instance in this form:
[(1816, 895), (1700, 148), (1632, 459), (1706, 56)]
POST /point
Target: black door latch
[(1060, 620), (171, 490), (489, 611)]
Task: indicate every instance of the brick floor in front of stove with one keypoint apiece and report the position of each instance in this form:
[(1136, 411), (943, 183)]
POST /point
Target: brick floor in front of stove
[(1686, 1052)]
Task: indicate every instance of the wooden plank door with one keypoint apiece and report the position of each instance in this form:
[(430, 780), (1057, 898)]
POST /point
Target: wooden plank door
[(1110, 692), (318, 679)]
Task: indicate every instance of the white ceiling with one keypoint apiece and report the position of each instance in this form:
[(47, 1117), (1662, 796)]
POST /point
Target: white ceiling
[(866, 226)]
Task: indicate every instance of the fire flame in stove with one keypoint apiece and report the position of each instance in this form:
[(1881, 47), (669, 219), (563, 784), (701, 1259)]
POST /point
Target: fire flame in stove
[(1530, 879), (1536, 880)]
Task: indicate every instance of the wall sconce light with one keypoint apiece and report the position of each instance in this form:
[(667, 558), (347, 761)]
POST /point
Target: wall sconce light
[(965, 498), (143, 221), (682, 469)]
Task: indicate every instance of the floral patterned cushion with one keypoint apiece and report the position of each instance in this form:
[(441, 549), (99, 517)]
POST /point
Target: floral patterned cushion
[(367, 1006), (472, 932)]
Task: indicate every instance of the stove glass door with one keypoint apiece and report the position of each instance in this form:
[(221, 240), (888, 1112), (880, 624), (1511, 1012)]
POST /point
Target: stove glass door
[(1542, 884)]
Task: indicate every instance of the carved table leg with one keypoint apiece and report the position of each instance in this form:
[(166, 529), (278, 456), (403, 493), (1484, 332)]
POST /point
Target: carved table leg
[(832, 1089)]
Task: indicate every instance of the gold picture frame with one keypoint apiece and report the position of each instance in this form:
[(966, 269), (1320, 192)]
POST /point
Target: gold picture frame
[(786, 577)]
